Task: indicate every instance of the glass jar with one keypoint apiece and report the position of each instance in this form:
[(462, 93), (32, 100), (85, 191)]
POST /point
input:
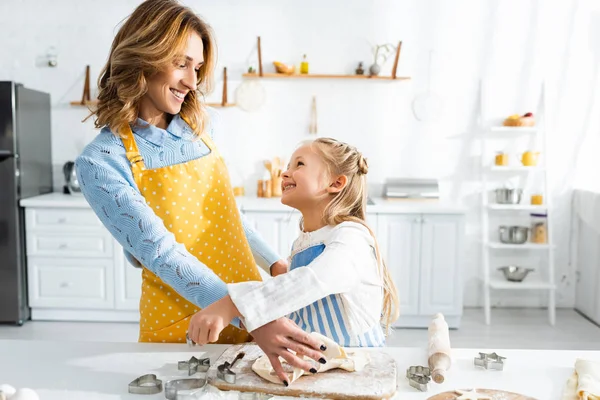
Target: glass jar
[(539, 228)]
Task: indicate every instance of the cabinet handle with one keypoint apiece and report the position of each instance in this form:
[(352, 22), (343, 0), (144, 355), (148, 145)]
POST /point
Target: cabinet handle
[(62, 220), (65, 285), (63, 246)]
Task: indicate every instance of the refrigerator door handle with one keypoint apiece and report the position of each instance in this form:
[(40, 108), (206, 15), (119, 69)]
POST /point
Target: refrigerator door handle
[(5, 155)]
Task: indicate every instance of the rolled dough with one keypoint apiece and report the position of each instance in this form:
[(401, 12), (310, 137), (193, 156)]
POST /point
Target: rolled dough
[(337, 357), (584, 384)]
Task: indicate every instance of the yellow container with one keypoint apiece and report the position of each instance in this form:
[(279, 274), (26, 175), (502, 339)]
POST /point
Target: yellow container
[(502, 159), (304, 65), (530, 158), (537, 199)]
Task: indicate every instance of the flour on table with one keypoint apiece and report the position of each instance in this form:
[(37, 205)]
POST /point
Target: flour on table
[(337, 357)]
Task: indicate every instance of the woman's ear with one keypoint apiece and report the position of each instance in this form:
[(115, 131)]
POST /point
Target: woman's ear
[(338, 184)]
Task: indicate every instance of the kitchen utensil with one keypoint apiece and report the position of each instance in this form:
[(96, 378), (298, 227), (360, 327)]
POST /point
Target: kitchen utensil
[(530, 158), (224, 371), (194, 365), (175, 385), (508, 196), (146, 384), (72, 183), (513, 234), (490, 361), (439, 358), (378, 380), (501, 159), (428, 106), (515, 274), (312, 127), (491, 393), (418, 377)]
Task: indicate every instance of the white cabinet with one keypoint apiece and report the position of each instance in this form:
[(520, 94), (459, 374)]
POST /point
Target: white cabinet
[(423, 253), (279, 229), (77, 271)]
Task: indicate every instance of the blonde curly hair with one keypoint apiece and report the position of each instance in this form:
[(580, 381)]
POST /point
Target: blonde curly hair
[(150, 41)]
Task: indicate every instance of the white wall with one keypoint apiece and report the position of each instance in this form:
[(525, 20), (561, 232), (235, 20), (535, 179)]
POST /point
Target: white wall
[(512, 42)]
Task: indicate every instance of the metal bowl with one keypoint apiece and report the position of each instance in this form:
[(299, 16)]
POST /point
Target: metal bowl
[(508, 196), (515, 274), (513, 234)]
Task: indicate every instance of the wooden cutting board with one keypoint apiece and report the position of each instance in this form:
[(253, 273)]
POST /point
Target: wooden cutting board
[(376, 381), (494, 394)]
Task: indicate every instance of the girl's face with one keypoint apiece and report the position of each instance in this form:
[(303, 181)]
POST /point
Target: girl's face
[(167, 89), (306, 180)]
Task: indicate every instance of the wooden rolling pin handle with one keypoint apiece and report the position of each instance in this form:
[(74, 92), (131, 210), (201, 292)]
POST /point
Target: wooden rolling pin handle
[(439, 363)]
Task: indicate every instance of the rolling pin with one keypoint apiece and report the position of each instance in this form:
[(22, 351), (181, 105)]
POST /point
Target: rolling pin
[(439, 356)]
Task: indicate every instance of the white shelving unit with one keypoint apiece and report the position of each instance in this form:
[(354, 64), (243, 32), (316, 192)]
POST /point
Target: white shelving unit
[(527, 253)]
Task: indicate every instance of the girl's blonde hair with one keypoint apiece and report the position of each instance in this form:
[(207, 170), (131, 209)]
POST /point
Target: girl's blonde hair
[(150, 41), (351, 204)]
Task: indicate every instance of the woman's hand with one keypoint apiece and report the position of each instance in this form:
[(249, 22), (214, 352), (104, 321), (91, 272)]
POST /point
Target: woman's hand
[(206, 325), (276, 337), (279, 267)]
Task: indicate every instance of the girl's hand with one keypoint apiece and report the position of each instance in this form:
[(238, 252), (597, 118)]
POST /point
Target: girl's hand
[(206, 325), (280, 267)]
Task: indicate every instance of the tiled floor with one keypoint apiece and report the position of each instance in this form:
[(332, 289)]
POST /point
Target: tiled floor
[(510, 328)]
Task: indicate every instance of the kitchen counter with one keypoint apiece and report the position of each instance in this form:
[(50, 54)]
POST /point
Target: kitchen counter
[(102, 371), (59, 200)]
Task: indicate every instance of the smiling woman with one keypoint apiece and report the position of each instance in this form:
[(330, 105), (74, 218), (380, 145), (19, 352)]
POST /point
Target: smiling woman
[(155, 179)]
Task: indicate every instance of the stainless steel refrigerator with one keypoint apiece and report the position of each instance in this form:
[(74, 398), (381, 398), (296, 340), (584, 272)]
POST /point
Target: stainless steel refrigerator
[(25, 171)]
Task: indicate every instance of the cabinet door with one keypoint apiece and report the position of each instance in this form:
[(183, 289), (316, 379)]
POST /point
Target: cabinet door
[(128, 282), (440, 288), (399, 241), (279, 229)]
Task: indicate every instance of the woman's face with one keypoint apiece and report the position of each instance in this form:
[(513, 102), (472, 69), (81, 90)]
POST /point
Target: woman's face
[(168, 89)]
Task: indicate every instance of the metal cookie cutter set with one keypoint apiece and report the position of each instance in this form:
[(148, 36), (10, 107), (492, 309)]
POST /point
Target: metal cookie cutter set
[(490, 361), (194, 365), (224, 371), (419, 377)]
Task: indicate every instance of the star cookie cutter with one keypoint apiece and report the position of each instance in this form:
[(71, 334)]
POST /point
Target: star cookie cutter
[(194, 365), (146, 384), (490, 361), (419, 377), (173, 387)]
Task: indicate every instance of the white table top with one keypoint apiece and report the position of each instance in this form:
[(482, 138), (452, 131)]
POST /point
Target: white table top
[(102, 371)]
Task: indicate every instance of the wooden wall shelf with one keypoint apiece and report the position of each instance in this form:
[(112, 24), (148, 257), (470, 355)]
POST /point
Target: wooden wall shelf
[(324, 76), (86, 103), (220, 105)]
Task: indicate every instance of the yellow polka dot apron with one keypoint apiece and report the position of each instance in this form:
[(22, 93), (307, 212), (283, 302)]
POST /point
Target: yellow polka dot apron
[(196, 203)]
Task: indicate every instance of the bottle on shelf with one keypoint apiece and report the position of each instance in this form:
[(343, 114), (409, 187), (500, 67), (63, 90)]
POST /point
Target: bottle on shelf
[(304, 65)]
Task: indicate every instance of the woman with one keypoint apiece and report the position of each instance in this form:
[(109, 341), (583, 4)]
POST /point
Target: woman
[(156, 181)]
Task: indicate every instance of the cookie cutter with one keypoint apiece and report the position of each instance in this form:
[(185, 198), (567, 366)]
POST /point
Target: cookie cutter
[(490, 361), (173, 387), (419, 377), (146, 384), (189, 341), (224, 371), (194, 365)]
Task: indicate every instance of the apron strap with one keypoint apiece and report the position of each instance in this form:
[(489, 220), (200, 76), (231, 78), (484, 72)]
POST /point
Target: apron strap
[(131, 149)]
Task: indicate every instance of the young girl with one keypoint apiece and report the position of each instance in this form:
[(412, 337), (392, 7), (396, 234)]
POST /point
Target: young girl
[(337, 284)]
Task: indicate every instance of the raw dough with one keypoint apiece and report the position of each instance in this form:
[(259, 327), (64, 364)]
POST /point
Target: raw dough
[(584, 384), (471, 395), (337, 357)]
